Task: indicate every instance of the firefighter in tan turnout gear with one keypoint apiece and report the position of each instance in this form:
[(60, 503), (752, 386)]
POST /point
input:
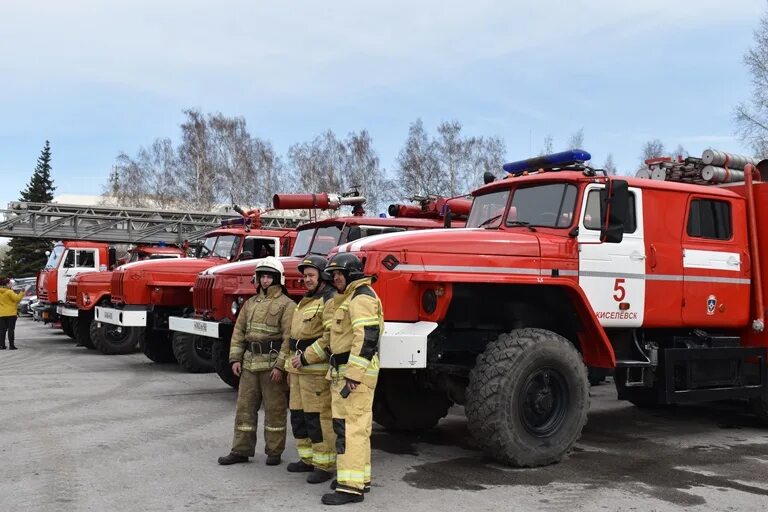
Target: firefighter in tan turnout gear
[(310, 401), (355, 329), (257, 354)]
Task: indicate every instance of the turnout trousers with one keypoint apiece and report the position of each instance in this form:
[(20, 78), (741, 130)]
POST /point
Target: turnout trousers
[(255, 388), (310, 406), (352, 422)]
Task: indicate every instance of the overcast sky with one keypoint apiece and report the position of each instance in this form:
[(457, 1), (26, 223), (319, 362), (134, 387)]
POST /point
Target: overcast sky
[(97, 78)]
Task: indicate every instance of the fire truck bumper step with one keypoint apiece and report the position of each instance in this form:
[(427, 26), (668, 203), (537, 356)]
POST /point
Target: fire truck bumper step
[(194, 326), (123, 318), (67, 311), (404, 345)]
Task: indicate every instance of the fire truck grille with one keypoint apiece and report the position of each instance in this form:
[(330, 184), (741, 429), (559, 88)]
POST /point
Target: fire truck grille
[(72, 293), (202, 296), (117, 286)]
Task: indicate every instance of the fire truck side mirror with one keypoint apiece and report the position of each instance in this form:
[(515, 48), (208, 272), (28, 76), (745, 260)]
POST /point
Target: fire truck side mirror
[(112, 256), (198, 248), (614, 201)]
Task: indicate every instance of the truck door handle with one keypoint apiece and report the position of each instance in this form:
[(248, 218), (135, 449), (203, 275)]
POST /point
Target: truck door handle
[(636, 256)]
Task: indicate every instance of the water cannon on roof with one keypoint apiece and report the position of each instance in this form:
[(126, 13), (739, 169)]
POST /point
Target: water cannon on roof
[(321, 201), (432, 207)]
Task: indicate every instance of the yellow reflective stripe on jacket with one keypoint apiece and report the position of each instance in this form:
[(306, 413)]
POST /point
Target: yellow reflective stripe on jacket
[(262, 327), (358, 361), (245, 427), (368, 320), (274, 429)]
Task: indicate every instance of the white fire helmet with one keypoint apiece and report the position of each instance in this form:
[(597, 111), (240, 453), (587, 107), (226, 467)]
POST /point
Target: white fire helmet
[(272, 265)]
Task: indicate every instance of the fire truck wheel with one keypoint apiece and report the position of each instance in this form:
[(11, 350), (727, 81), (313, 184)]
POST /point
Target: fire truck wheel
[(528, 398), (66, 326), (82, 329), (112, 340), (760, 408), (192, 352), (157, 347), (220, 356), (403, 403)]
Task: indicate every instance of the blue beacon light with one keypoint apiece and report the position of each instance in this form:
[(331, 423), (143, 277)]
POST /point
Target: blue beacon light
[(562, 159)]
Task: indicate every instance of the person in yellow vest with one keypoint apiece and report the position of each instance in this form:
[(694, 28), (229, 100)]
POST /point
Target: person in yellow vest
[(310, 400), (257, 353), (355, 329), (9, 301)]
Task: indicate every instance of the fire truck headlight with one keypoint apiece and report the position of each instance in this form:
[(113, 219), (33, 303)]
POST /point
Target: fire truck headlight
[(429, 301), (235, 307)]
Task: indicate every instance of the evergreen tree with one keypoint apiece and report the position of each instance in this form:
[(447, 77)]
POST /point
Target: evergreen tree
[(26, 256)]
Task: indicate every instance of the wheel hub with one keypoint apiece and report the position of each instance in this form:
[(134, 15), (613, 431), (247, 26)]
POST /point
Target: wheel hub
[(544, 402)]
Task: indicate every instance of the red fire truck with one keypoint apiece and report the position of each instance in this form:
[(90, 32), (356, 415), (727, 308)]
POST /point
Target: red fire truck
[(145, 293), (220, 291), (86, 290), (561, 268), (67, 259)]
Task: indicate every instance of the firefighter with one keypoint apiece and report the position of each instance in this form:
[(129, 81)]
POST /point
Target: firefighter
[(257, 355), (355, 329), (310, 400)]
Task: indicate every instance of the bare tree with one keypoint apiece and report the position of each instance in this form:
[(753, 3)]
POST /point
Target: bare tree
[(318, 165), (197, 172), (651, 149), (362, 169), (577, 139), (128, 182), (487, 156), (417, 166), (609, 166), (453, 155), (549, 145), (269, 169), (752, 116)]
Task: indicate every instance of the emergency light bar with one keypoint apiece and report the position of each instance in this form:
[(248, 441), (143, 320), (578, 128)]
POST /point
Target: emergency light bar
[(553, 161)]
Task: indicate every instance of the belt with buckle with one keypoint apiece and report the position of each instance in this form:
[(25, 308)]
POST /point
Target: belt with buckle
[(338, 359), (264, 347), (296, 345)]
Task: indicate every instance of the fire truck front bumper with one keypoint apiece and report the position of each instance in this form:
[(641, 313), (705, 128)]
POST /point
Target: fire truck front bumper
[(45, 312), (404, 345), (121, 317), (194, 326), (65, 310)]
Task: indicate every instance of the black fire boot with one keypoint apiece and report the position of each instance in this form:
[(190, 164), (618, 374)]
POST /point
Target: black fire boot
[(12, 347), (366, 487), (232, 458), (341, 498), (318, 476), (273, 460), (2, 347), (299, 467)]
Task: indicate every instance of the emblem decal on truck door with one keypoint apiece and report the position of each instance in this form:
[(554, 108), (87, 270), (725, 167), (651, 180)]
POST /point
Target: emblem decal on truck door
[(711, 303)]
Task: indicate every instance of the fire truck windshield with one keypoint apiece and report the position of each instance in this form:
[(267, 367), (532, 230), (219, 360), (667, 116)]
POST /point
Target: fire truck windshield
[(55, 256), (549, 205), (316, 241), (220, 246)]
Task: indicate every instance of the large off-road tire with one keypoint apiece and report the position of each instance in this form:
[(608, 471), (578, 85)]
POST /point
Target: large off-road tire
[(193, 352), (220, 356), (528, 398), (66, 326), (157, 347), (82, 329), (642, 397), (403, 403), (112, 340)]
